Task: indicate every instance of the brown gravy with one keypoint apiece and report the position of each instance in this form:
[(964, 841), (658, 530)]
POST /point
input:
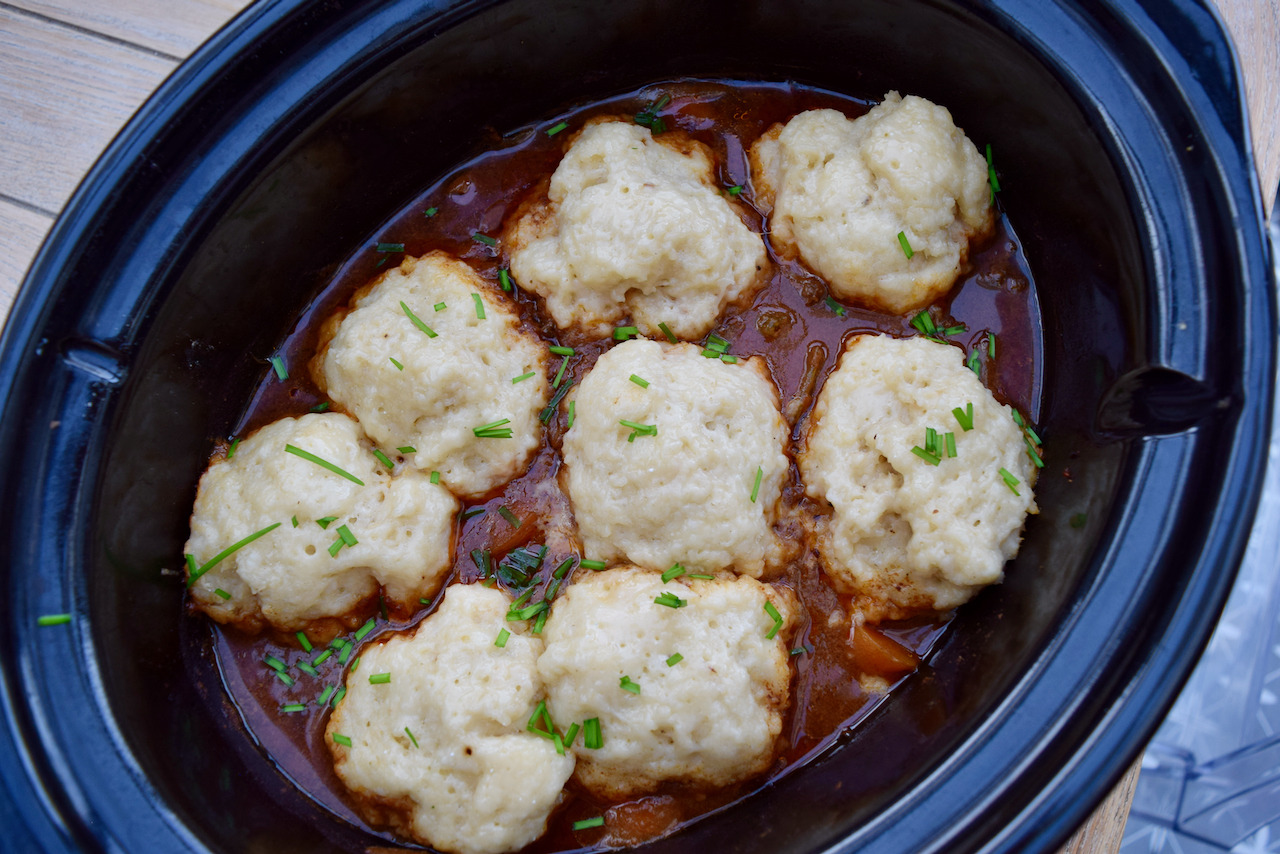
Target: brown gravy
[(788, 323)]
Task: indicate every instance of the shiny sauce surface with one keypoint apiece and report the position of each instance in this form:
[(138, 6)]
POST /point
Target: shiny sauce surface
[(790, 323)]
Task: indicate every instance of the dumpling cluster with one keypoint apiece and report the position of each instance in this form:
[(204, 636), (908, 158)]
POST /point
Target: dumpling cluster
[(633, 224), (911, 531), (699, 482), (308, 568), (841, 192), (440, 750)]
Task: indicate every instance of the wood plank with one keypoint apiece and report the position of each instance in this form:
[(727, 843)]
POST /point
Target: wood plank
[(1255, 28), (1104, 831), (171, 27), (63, 96), (21, 233)]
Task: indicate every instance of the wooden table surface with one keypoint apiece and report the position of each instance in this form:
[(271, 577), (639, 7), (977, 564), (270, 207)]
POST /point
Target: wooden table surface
[(73, 71)]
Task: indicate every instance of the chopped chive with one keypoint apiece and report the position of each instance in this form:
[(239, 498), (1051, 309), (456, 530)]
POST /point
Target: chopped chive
[(336, 546), (321, 658), (524, 597), (561, 351), (569, 425), (504, 279), (755, 490), (964, 420), (728, 360), (293, 707), (390, 247), (906, 247), (563, 569), (432, 211), (556, 128), (598, 820), (540, 714), (325, 521), (666, 330), (340, 642), (564, 363), (440, 306), (772, 611), (275, 664), (553, 590), (281, 371), (312, 458), (642, 429), (550, 409), (381, 261), (407, 449), (670, 600), (1078, 520), (355, 664), (294, 520), (341, 739), (481, 559), (435, 477), (509, 516), (626, 684), (542, 621), (417, 321), (484, 238), (521, 378), (571, 735), (365, 629), (305, 667), (591, 564), (715, 346), (337, 698), (991, 345), (411, 738), (493, 430), (322, 406), (675, 571), (1032, 433), (228, 551), (472, 513), (191, 562), (735, 189), (674, 659), (399, 365), (53, 620), (424, 600), (501, 642), (479, 306), (285, 678), (622, 333), (954, 330), (528, 613), (923, 322), (931, 440), (220, 592), (231, 451), (835, 306), (382, 458), (1010, 481), (592, 737), (345, 654), (379, 678), (347, 537), (1017, 419), (1031, 451), (306, 643), (325, 695), (951, 445), (640, 381), (975, 363), (703, 577), (926, 456)]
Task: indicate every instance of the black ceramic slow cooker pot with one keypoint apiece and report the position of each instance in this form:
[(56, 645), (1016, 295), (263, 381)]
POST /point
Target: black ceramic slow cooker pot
[(279, 146)]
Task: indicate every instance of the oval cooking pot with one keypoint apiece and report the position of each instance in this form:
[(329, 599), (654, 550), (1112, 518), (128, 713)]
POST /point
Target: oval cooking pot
[(279, 147)]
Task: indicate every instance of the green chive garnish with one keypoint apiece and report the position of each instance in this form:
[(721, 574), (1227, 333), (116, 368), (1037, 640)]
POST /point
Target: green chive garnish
[(666, 330), (1031, 451), (954, 330), (347, 537), (1010, 481), (285, 678), (325, 695), (951, 445), (472, 513), (734, 190), (561, 351), (435, 477), (597, 821), (379, 678), (569, 425), (675, 571), (407, 449), (493, 430), (479, 306), (390, 247), (431, 211), (355, 664), (294, 520), (305, 667), (835, 306), (926, 456), (563, 569), (640, 429), (626, 684), (220, 592), (53, 620), (675, 659), (312, 458), (622, 333), (484, 238), (670, 600), (597, 565), (440, 306), (592, 737), (321, 658), (703, 577), (293, 707), (963, 418), (502, 639), (275, 664), (417, 321), (337, 698), (281, 371), (556, 128), (325, 521), (906, 247), (509, 516), (755, 490), (545, 415), (228, 551), (399, 365), (231, 451), (521, 378), (411, 738), (504, 279), (382, 458), (776, 617), (991, 345), (570, 735), (323, 406), (306, 643), (341, 739), (425, 601), (366, 628), (640, 381), (542, 621)]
